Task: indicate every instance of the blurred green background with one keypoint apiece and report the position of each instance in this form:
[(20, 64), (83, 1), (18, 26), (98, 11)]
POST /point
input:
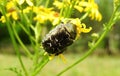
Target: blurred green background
[(104, 61)]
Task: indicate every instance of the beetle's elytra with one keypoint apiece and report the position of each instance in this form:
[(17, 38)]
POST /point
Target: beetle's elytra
[(59, 38)]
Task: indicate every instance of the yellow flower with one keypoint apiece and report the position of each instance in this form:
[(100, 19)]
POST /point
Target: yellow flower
[(29, 2), (91, 7), (41, 18), (81, 27), (27, 9), (2, 19), (43, 14), (14, 15), (10, 5), (80, 9), (64, 3), (58, 4), (11, 11)]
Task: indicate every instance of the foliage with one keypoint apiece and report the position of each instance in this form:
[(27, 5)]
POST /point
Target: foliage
[(33, 16)]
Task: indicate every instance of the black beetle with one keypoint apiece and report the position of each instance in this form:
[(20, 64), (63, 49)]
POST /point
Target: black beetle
[(59, 38)]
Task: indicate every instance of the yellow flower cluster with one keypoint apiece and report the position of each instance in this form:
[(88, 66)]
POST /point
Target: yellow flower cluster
[(91, 7), (82, 6), (12, 10), (41, 13)]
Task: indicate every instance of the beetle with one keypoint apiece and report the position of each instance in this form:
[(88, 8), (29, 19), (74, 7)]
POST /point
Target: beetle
[(56, 41)]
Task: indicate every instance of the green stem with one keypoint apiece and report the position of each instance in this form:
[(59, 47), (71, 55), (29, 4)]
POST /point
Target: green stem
[(27, 22), (36, 55), (43, 62), (86, 54), (36, 48), (47, 3), (16, 48), (70, 9), (109, 25), (84, 16), (27, 32), (21, 43), (34, 42), (61, 12), (38, 2), (29, 27), (14, 41), (31, 16)]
